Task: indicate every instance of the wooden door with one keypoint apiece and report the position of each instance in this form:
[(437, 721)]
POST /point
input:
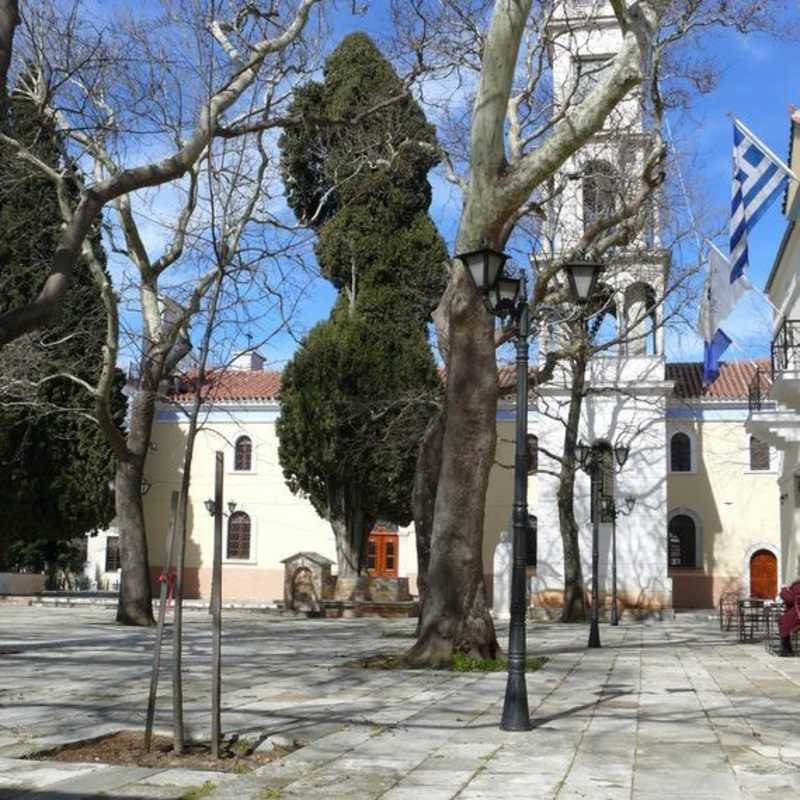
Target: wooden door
[(382, 555), (763, 575)]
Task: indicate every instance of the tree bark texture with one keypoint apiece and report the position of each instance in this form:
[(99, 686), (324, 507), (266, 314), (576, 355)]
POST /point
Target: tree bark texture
[(351, 528), (574, 597), (455, 615), (136, 606), (9, 19), (423, 498)]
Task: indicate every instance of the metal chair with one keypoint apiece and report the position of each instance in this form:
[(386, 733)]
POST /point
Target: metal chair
[(751, 619)]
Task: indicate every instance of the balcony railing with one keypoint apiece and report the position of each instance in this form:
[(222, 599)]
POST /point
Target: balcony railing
[(786, 347)]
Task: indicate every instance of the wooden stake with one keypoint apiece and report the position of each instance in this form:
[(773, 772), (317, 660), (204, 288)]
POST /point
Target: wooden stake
[(216, 589), (162, 610), (177, 633)]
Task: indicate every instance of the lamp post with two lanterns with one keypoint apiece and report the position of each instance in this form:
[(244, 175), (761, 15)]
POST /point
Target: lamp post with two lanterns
[(614, 513), (592, 459), (506, 297)]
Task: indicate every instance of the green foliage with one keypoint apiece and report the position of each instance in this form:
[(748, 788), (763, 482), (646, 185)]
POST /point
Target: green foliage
[(358, 392), (383, 159), (55, 466), (349, 399), (466, 663), (43, 555), (199, 792)]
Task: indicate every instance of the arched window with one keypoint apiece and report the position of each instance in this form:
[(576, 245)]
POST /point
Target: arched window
[(682, 543), (602, 322), (759, 455), (243, 454), (680, 453), (238, 536), (533, 453), (640, 319), (599, 191)]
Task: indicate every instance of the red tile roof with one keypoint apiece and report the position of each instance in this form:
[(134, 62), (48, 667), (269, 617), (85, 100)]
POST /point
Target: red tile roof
[(232, 385), (235, 385), (733, 382)]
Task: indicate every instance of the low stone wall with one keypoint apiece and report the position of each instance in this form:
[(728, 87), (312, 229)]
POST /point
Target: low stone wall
[(21, 583)]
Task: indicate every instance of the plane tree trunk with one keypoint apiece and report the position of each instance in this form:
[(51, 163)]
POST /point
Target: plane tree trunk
[(455, 614), (423, 498), (574, 598), (135, 607)]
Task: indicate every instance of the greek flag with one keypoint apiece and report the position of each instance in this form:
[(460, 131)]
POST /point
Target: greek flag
[(758, 178)]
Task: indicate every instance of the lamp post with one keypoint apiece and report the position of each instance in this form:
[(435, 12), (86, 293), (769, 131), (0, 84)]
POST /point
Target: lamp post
[(515, 708), (591, 459), (613, 512), (506, 297)]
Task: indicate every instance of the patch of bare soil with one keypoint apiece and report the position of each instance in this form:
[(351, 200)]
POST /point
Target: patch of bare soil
[(126, 748)]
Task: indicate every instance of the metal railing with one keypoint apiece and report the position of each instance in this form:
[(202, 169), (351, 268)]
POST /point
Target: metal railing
[(786, 347)]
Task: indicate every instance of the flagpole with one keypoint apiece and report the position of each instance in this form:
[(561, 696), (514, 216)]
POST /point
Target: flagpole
[(767, 150)]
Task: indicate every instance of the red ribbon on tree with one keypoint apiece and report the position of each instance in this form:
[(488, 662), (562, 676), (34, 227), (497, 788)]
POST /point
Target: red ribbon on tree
[(170, 576)]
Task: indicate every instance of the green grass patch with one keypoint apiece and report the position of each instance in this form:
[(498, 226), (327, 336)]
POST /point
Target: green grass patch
[(199, 792), (269, 794), (460, 663), (465, 663)]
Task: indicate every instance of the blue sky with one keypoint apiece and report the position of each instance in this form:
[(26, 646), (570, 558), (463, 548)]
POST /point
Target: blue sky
[(758, 79)]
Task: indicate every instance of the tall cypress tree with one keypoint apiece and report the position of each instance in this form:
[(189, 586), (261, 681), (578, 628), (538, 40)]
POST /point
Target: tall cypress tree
[(55, 465), (357, 395)]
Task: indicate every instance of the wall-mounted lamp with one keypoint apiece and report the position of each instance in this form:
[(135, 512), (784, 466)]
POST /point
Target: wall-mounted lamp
[(211, 507), (231, 506), (145, 487)]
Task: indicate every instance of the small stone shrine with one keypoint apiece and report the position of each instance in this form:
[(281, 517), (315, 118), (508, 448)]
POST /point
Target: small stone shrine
[(307, 582)]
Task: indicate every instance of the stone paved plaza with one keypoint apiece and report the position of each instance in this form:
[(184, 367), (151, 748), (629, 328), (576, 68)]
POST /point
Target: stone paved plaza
[(666, 709)]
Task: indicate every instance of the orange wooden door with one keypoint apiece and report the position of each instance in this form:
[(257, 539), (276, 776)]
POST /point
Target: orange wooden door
[(382, 555), (763, 575)]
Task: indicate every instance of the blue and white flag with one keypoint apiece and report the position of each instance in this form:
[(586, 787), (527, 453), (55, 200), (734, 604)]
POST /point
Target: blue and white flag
[(723, 290), (758, 178)]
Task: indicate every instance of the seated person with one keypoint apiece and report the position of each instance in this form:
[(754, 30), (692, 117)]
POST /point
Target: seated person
[(790, 618)]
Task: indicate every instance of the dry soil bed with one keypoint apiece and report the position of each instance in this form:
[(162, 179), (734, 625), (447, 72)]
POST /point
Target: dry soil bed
[(126, 748)]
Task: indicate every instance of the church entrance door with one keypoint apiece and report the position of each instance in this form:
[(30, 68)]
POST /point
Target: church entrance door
[(763, 575), (382, 555)]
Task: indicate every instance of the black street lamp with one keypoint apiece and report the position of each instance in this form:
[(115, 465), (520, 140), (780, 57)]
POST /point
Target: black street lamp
[(515, 708), (484, 266), (506, 297), (582, 277), (613, 513), (592, 460)]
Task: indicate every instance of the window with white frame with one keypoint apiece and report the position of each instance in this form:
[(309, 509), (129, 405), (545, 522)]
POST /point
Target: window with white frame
[(243, 454), (112, 554), (680, 452), (239, 537), (682, 541)]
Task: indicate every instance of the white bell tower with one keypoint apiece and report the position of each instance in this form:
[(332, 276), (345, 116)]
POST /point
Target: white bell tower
[(627, 394), (603, 176)]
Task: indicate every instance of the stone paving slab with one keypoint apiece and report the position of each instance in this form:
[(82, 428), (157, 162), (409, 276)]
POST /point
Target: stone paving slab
[(664, 709)]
